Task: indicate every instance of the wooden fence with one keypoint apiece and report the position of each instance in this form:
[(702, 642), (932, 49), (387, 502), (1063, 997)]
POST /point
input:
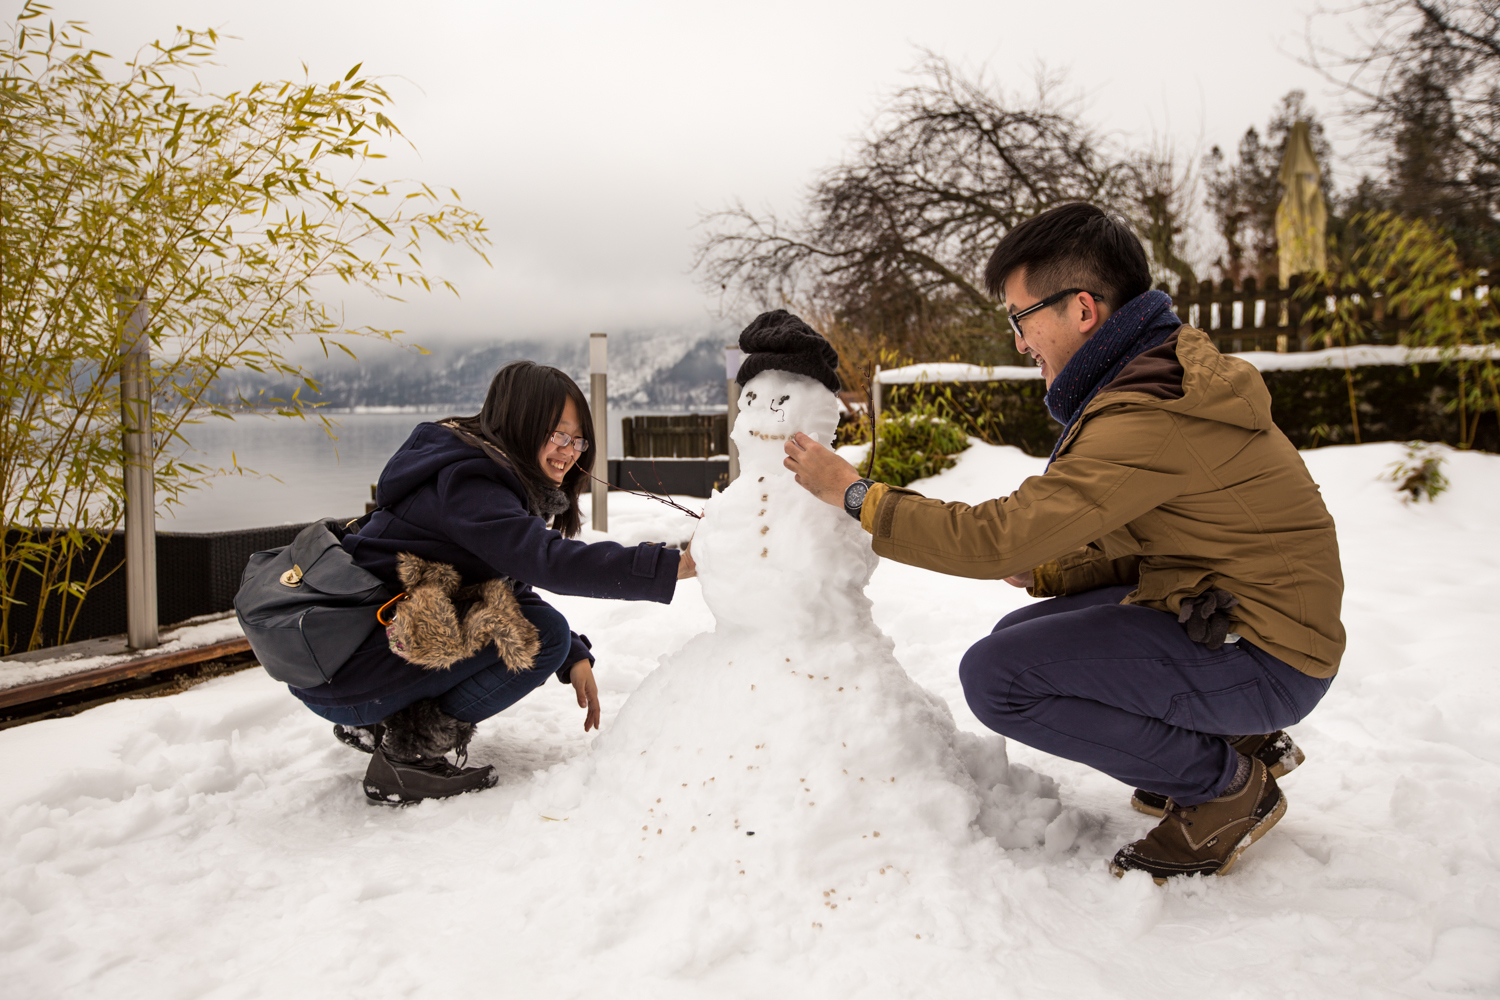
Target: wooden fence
[(689, 435), (1256, 317)]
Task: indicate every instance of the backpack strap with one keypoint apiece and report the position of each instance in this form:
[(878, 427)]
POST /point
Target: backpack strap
[(354, 526)]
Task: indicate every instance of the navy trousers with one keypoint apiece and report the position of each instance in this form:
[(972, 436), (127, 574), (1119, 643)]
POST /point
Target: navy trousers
[(474, 689), (1122, 688)]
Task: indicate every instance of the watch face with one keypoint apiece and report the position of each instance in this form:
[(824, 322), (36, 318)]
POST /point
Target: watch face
[(855, 494)]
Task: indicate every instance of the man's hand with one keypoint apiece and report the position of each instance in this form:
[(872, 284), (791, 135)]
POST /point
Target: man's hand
[(582, 678), (1026, 579), (819, 471), (686, 568)]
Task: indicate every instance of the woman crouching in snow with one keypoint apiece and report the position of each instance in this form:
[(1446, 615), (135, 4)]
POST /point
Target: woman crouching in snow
[(474, 512)]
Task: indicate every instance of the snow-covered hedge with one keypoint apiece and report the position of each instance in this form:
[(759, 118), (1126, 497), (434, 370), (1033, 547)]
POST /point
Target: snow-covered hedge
[(1400, 394)]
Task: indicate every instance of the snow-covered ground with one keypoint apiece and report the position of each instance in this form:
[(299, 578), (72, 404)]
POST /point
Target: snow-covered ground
[(217, 844)]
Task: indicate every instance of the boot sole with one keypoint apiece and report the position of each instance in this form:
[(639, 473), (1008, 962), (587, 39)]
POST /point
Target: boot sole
[(1149, 810), (351, 741), (376, 797), (1281, 768), (1287, 764)]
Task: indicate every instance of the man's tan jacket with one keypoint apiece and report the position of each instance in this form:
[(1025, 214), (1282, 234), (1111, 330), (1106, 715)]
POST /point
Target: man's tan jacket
[(1174, 479)]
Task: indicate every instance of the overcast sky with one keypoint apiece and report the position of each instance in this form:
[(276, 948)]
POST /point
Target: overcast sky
[(592, 136)]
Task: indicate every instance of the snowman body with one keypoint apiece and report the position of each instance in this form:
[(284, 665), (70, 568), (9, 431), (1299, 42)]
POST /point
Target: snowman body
[(771, 555)]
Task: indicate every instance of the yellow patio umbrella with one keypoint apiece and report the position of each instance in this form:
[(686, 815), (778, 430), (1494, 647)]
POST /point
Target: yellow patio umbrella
[(1302, 216)]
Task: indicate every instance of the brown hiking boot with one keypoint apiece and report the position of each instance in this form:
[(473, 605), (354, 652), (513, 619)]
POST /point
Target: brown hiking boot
[(1206, 839), (1275, 750)]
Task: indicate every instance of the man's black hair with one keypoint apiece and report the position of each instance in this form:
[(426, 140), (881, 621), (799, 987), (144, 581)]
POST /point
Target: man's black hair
[(1073, 246)]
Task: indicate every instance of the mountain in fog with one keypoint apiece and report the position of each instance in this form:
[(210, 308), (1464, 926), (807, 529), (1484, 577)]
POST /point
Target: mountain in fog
[(662, 369)]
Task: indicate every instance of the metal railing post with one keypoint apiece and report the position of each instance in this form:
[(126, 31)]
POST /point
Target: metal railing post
[(140, 475), (599, 403), (732, 358)]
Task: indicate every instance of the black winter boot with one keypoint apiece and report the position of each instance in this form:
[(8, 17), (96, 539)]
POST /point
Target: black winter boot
[(1275, 750), (409, 764)]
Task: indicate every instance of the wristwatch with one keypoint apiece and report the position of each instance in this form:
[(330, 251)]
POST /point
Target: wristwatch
[(854, 496)]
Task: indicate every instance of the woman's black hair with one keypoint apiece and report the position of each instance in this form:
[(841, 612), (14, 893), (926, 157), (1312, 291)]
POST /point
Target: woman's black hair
[(520, 412)]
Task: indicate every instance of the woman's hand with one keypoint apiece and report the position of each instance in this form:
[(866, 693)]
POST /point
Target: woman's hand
[(582, 678), (686, 568), (1026, 579)]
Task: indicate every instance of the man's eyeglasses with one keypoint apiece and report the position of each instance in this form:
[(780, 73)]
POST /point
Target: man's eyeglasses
[(562, 440), (1051, 300)]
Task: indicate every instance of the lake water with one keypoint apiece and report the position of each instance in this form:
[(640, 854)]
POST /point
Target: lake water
[(301, 473)]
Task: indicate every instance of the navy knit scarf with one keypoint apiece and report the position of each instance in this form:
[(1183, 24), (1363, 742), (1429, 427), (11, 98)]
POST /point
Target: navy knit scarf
[(1144, 322)]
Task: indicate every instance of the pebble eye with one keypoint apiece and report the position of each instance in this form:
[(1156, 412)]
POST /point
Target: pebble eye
[(749, 397)]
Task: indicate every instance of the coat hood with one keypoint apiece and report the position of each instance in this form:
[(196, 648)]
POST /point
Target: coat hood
[(1214, 387), (430, 449)]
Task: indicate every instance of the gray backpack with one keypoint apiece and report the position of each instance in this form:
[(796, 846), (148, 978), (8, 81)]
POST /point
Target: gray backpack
[(307, 606)]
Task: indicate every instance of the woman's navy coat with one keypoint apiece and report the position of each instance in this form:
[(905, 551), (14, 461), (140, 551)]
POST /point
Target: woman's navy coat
[(448, 502)]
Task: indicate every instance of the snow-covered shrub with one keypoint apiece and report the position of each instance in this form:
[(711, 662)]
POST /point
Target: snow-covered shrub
[(915, 445), (1420, 474)]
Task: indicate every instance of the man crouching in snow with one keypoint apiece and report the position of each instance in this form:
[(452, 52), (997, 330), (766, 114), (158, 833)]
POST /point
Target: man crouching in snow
[(1192, 567)]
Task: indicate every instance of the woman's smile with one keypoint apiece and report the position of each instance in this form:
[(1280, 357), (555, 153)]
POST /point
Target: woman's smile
[(556, 459)]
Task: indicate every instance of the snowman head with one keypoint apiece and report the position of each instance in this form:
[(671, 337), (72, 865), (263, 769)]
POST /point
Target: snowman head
[(773, 406), (787, 380)]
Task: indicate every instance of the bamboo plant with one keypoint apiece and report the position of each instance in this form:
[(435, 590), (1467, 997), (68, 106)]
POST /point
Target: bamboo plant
[(229, 213), (1393, 271)]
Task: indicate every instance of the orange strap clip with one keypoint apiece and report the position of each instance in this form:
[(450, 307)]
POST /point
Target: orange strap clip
[(399, 597)]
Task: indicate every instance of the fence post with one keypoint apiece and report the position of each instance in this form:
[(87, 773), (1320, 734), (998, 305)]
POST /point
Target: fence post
[(732, 358), (599, 403), (1274, 290), (1206, 309), (141, 625)]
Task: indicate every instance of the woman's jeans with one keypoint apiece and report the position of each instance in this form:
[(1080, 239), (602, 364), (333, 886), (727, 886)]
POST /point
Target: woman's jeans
[(1122, 688), (474, 689)]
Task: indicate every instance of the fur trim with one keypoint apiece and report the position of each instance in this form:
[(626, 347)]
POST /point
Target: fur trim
[(496, 617), (426, 630), (422, 730), (425, 627)]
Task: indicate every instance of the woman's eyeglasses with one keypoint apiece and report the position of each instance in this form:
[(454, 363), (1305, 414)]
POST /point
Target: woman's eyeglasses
[(562, 440), (1051, 300)]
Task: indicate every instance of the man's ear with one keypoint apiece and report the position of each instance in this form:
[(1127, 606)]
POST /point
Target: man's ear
[(1091, 316)]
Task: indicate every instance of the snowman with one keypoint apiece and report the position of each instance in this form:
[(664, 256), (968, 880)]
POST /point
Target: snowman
[(796, 680), (782, 774)]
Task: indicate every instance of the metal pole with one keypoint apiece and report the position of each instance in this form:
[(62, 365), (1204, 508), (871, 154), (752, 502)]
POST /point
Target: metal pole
[(732, 358), (599, 403), (140, 477)]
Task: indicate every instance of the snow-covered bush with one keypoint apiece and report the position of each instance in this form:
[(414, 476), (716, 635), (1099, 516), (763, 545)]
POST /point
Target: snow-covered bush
[(915, 445)]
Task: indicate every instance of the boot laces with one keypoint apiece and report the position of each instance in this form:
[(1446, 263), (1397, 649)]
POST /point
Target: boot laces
[(1181, 812)]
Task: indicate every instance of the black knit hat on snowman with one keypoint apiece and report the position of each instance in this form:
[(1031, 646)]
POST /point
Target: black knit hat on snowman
[(779, 341)]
